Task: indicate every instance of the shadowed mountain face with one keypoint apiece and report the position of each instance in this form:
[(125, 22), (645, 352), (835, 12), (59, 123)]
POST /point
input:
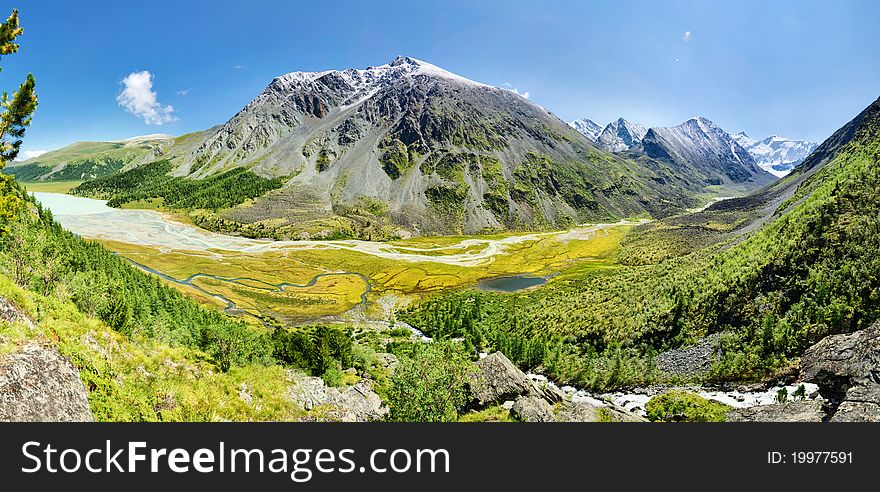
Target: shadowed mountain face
[(420, 149)]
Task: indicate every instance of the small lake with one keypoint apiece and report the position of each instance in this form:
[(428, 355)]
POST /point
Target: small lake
[(510, 283)]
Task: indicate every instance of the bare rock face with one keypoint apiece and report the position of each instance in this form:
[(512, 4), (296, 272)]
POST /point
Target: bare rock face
[(496, 380), (533, 409), (356, 403), (39, 385), (794, 411), (847, 370)]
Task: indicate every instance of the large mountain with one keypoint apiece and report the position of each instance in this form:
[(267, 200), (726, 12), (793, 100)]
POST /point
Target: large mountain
[(621, 135), (700, 146), (587, 127), (82, 161), (776, 155), (414, 147)]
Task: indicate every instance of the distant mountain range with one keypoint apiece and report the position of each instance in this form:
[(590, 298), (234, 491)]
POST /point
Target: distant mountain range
[(409, 148), (621, 135), (775, 154), (698, 148)]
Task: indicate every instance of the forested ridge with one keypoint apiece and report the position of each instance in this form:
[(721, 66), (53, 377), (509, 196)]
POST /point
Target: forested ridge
[(151, 182)]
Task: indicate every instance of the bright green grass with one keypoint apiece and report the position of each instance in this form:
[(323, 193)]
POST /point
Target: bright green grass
[(50, 186)]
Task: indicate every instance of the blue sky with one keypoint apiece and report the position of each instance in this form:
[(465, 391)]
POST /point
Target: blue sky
[(797, 68)]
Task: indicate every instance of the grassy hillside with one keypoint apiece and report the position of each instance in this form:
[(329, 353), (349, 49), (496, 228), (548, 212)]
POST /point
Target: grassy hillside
[(85, 160), (810, 271)]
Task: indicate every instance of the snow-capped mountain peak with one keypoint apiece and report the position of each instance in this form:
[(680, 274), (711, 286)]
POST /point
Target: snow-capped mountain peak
[(621, 135), (587, 127), (776, 154), (364, 80)]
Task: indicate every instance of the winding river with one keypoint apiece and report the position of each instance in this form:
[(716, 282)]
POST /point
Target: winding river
[(94, 219), (231, 308)]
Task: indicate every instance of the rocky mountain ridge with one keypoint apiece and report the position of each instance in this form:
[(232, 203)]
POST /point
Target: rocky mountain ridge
[(621, 135)]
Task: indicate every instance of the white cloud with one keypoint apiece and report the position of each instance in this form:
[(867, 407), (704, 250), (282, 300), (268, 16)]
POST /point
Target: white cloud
[(30, 154), (508, 86), (238, 67), (524, 94), (183, 92), (138, 98), (686, 36)]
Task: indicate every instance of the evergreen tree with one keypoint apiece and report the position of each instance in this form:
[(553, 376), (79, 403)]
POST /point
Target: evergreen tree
[(15, 116)]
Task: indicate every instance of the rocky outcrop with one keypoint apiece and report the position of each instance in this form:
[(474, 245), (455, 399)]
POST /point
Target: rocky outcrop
[(356, 403), (496, 380), (794, 411), (847, 370), (689, 361), (11, 314), (38, 384)]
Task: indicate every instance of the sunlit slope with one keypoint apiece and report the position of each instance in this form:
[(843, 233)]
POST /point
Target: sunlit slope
[(82, 161)]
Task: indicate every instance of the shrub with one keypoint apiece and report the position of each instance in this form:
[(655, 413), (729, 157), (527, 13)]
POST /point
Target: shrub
[(429, 384), (333, 375), (684, 406), (235, 345)]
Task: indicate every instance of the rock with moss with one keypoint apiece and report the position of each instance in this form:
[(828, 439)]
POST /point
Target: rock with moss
[(532, 409), (38, 384), (11, 314)]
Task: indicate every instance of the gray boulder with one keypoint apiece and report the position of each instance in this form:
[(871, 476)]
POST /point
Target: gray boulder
[(495, 380), (533, 409), (793, 411), (356, 403), (847, 370), (39, 385), (582, 411), (550, 393)]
